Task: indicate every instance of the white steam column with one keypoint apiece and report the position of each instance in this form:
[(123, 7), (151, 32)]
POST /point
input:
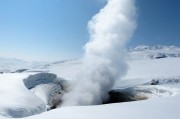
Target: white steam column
[(104, 62)]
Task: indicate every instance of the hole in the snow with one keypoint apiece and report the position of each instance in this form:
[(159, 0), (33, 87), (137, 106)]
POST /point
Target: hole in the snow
[(48, 87), (142, 92), (117, 96)]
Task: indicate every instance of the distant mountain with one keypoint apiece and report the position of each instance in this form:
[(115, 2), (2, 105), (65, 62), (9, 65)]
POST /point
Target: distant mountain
[(17, 65), (154, 52), (11, 64), (139, 52)]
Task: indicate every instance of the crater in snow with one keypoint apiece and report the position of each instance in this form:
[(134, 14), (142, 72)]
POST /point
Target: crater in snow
[(46, 86)]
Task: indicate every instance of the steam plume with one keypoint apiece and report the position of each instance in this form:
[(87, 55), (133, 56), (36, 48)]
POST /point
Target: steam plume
[(104, 61)]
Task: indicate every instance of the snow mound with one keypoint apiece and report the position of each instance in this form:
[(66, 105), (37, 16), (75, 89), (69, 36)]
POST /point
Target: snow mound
[(24, 94), (16, 100), (47, 86)]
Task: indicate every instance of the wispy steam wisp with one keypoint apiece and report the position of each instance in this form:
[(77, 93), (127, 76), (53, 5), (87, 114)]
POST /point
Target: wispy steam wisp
[(104, 62)]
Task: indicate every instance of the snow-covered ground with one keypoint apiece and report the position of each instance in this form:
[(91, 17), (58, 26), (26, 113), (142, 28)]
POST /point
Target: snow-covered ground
[(16, 100), (33, 91), (162, 108)]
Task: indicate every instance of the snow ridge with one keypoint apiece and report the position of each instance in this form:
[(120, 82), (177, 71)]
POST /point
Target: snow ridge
[(154, 52)]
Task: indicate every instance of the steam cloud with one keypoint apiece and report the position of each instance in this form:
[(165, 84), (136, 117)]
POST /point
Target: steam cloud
[(104, 61)]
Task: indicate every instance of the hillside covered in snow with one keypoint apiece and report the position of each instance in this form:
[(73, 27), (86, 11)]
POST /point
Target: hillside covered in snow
[(137, 53), (150, 88), (154, 51)]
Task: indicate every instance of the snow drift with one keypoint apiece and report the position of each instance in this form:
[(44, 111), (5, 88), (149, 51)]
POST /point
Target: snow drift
[(104, 61)]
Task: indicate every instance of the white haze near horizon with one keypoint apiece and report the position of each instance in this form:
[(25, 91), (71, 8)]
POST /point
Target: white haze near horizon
[(104, 58)]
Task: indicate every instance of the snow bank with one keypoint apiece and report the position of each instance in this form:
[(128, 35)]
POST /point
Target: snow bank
[(16, 100)]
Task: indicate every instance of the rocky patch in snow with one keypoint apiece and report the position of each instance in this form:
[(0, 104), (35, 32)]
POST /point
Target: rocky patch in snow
[(145, 91)]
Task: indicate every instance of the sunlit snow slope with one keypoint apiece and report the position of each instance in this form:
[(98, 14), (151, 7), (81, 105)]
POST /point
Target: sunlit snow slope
[(34, 90)]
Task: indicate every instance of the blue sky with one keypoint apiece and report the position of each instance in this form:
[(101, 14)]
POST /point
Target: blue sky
[(50, 30), (158, 23)]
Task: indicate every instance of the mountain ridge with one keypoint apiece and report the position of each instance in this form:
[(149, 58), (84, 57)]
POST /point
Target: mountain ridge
[(136, 53)]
